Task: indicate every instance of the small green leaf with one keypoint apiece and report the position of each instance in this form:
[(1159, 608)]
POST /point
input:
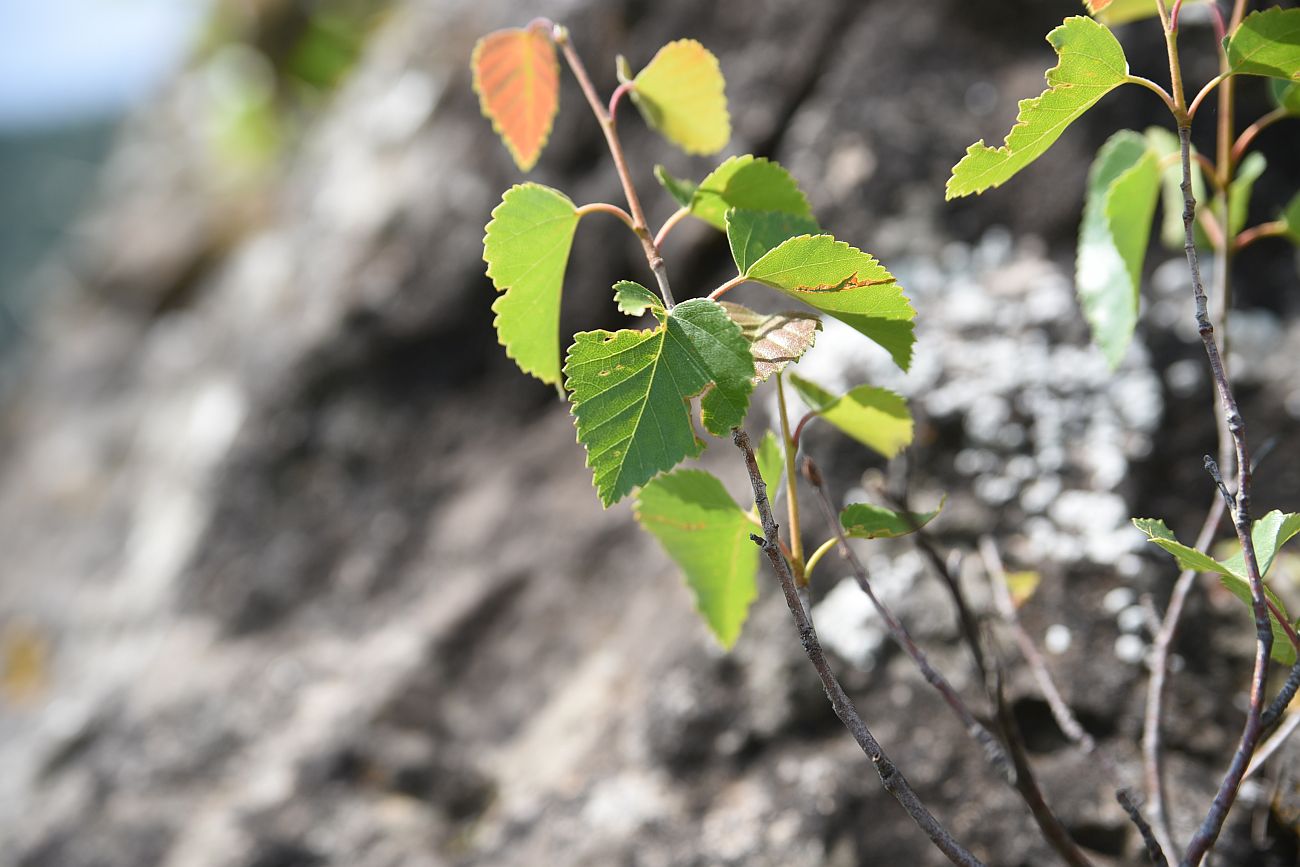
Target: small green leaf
[(1112, 12), (1232, 571), (845, 282), (1286, 96), (771, 463), (681, 94), (1268, 534), (527, 250), (682, 191), (632, 389), (876, 417), (1242, 186), (707, 536), (865, 521), (634, 299), (1291, 219), (775, 339), (1122, 189), (1092, 64), (752, 233), (1165, 145), (1267, 43), (751, 184)]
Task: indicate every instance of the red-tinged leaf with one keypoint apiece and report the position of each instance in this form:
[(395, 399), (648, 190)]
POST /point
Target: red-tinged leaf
[(517, 79)]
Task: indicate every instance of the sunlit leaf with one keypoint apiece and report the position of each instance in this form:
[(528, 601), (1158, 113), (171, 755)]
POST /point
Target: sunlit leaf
[(1122, 189), (527, 250), (752, 233), (876, 417), (775, 339), (517, 79), (707, 536), (1123, 11), (751, 184), (633, 299), (1092, 64), (1232, 570), (631, 391), (1268, 534), (1267, 43), (865, 521), (681, 93), (1021, 586), (845, 282)]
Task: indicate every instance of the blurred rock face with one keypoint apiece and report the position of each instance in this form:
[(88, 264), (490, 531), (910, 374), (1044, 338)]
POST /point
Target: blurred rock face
[(300, 570)]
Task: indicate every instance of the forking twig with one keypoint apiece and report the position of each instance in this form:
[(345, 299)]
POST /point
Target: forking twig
[(890, 777)]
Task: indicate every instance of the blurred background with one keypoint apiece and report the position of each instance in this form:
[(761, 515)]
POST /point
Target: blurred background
[(297, 569)]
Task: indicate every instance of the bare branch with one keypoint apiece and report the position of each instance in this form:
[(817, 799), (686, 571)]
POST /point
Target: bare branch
[(890, 777), (1154, 852), (1253, 730), (1015, 769)]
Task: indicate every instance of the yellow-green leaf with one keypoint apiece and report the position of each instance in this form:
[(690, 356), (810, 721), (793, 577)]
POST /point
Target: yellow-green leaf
[(752, 233), (1123, 186), (1267, 43), (527, 251), (841, 280), (1291, 219), (681, 93), (1092, 64), (1268, 533), (517, 79), (747, 183), (707, 536), (876, 417)]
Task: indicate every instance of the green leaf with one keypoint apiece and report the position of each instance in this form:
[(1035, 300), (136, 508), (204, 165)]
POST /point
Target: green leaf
[(775, 339), (845, 282), (681, 94), (682, 191), (752, 233), (751, 184), (1267, 43), (771, 462), (1122, 189), (1233, 578), (865, 521), (1268, 534), (1285, 96), (876, 417), (634, 299), (1092, 64), (1165, 145), (707, 536), (1112, 12), (527, 250), (1291, 219), (1242, 186), (631, 392)]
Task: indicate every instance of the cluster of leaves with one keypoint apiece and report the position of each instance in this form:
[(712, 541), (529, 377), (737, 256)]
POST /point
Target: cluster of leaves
[(633, 391), (1131, 169), (1131, 173)]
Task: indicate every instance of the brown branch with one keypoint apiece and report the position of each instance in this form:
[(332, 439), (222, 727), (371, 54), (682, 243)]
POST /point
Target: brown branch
[(890, 776), (1152, 749), (1154, 852), (1015, 769), (608, 127), (1253, 729)]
